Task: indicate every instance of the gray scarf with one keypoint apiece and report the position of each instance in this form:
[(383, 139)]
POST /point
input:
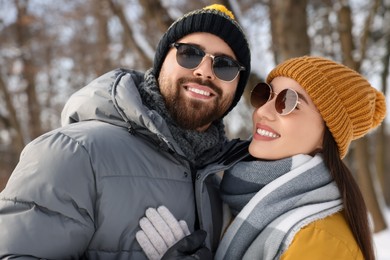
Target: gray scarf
[(198, 147), (272, 200)]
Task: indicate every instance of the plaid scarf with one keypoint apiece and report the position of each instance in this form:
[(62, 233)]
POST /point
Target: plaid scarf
[(272, 200)]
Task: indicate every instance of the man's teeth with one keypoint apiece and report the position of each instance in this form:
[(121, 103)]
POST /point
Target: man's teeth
[(199, 91), (266, 133)]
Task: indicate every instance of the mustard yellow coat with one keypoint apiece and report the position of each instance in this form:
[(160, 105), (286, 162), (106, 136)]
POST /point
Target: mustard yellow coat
[(329, 238)]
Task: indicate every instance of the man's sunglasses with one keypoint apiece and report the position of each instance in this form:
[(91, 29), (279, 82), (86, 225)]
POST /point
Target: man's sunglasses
[(190, 57), (286, 101)]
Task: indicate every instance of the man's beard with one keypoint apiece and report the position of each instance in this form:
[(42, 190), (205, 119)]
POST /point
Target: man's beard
[(192, 114)]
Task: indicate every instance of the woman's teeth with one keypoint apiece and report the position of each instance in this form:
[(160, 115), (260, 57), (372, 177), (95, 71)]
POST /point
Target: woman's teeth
[(266, 133)]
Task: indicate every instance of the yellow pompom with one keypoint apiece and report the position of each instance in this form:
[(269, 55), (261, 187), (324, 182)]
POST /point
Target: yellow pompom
[(222, 9)]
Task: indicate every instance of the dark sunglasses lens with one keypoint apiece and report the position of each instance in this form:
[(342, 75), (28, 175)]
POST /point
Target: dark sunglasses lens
[(225, 68), (286, 101), (260, 94), (189, 56)]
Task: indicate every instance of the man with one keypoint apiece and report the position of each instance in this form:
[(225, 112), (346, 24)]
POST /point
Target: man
[(130, 141)]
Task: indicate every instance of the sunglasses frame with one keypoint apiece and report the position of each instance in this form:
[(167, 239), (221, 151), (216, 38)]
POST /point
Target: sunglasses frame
[(273, 94), (240, 67)]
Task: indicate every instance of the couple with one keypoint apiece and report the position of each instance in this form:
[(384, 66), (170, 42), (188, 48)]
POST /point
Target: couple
[(132, 142)]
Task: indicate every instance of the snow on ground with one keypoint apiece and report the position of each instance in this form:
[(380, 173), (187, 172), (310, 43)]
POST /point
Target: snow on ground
[(382, 240)]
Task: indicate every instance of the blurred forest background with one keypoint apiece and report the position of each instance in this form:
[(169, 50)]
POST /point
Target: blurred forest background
[(49, 49)]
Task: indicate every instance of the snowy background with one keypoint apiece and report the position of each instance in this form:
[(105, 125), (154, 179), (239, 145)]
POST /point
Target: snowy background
[(382, 240)]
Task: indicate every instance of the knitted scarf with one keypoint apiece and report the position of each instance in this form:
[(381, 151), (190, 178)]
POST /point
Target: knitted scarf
[(198, 147), (271, 201)]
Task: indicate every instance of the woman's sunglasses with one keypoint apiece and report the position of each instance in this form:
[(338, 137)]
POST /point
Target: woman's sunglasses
[(190, 57), (286, 101)]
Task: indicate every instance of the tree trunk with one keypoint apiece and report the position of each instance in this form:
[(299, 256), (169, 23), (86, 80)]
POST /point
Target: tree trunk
[(383, 151), (365, 180), (103, 62), (289, 29), (29, 69), (12, 122), (361, 156)]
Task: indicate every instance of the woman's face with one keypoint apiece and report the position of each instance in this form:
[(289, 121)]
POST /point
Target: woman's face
[(278, 136)]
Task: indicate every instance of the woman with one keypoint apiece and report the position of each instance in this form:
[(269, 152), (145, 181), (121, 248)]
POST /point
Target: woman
[(300, 201), (295, 198)]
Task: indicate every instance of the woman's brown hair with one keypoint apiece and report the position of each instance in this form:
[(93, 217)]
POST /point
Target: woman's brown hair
[(354, 206)]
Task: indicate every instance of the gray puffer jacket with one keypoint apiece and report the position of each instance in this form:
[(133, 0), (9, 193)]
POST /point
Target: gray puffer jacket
[(80, 190)]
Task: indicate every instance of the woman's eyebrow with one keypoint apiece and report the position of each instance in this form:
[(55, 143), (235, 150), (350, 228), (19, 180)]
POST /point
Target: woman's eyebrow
[(302, 97)]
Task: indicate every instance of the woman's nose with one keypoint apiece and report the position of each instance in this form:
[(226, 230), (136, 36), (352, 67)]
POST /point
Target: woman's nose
[(267, 110)]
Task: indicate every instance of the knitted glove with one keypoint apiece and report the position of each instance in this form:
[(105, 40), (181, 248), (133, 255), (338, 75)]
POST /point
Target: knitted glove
[(159, 231), (190, 248)]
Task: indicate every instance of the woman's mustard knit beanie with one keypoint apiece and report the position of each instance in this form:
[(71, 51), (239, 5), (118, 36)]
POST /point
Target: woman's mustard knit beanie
[(349, 105)]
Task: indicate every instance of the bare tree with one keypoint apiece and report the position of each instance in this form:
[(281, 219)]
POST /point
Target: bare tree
[(29, 70), (288, 29), (361, 154), (382, 151), (101, 56), (129, 35), (11, 121)]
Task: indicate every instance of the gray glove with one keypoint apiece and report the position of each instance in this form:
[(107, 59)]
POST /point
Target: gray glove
[(159, 231)]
